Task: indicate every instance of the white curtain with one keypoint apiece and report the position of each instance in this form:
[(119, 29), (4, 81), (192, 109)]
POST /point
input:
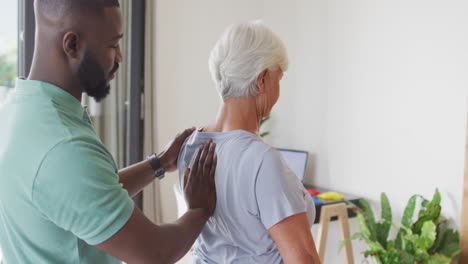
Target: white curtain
[(151, 194)]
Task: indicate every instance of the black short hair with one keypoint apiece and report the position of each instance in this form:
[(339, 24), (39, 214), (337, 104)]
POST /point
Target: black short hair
[(61, 8)]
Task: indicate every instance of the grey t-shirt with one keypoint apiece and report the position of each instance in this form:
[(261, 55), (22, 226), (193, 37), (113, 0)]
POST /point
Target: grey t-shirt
[(255, 190)]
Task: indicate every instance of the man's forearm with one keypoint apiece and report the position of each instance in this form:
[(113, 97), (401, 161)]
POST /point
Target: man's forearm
[(180, 236), (141, 241), (136, 177)]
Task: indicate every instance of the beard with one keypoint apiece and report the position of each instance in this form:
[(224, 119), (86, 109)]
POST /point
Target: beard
[(93, 80)]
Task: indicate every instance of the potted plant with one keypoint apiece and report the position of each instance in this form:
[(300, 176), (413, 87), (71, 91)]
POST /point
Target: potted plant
[(427, 240), (264, 133)]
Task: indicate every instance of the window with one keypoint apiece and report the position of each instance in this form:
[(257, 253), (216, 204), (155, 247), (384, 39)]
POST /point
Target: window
[(8, 47)]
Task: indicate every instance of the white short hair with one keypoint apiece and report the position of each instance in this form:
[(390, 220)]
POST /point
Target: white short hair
[(241, 54)]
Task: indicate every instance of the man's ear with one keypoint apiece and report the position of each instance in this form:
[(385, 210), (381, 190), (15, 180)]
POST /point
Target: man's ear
[(71, 44), (261, 81)]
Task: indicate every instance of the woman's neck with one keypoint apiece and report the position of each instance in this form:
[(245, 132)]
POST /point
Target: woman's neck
[(235, 114)]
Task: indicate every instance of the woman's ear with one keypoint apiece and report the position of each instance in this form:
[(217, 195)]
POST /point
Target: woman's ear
[(261, 81)]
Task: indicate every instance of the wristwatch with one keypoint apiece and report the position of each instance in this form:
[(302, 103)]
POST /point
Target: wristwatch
[(159, 170)]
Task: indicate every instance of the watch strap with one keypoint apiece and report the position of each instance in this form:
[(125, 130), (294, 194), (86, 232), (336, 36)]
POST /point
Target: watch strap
[(155, 163)]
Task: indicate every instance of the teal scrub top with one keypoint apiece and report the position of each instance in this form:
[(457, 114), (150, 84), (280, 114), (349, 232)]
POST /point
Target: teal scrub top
[(59, 188)]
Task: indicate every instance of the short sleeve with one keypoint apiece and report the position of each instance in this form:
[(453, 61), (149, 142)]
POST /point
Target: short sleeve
[(77, 188), (279, 192)]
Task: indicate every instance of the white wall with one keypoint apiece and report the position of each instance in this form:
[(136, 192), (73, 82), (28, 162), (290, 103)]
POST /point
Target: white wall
[(376, 90), (396, 92)]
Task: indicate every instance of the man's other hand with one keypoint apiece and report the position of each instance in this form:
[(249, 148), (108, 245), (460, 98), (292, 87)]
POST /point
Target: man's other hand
[(199, 182), (168, 157)]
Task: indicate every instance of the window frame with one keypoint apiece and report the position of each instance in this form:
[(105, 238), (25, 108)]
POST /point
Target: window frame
[(26, 36), (135, 119)]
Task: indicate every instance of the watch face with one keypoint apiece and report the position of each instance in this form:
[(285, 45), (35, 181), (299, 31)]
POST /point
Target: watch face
[(159, 173)]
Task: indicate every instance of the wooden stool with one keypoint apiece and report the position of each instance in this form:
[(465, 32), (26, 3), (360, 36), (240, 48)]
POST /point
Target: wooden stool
[(327, 212)]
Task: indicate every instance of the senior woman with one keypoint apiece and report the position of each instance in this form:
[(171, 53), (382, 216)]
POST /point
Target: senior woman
[(263, 213)]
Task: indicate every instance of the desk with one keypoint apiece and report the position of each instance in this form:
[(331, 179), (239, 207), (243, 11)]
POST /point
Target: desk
[(348, 198)]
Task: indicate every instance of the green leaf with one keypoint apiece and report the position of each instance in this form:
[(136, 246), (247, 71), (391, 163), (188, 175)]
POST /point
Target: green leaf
[(451, 250), (381, 233), (369, 219), (410, 248), (421, 255), (343, 244), (264, 120), (426, 205), (409, 211), (363, 225), (402, 242), (368, 253), (436, 199), (264, 134), (447, 242), (438, 259), (374, 246), (428, 235), (441, 230), (424, 202), (386, 209), (355, 236), (383, 229), (399, 241), (406, 258), (432, 214), (391, 257), (406, 221)]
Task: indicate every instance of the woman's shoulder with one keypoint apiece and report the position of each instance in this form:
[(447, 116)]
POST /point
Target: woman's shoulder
[(251, 144), (235, 143)]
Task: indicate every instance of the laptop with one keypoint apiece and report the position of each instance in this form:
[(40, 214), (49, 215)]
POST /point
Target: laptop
[(296, 160)]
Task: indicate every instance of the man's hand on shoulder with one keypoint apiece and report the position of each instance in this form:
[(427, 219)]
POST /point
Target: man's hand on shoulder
[(199, 182), (141, 241), (168, 157)]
